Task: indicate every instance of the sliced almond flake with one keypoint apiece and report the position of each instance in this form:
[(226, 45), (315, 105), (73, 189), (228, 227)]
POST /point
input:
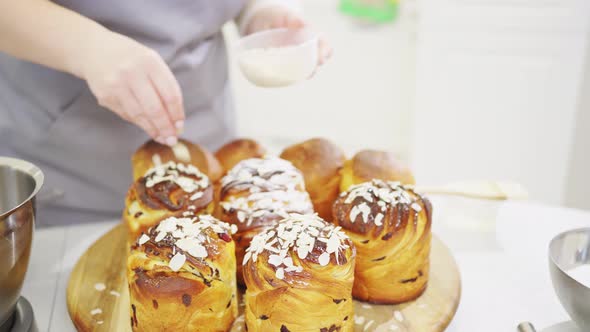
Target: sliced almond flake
[(365, 210), (324, 259), (333, 244), (181, 152), (233, 229), (359, 320), (177, 262), (367, 197), (95, 311), (241, 216), (259, 213), (196, 195), (398, 316), (178, 233), (294, 269), (115, 293), (246, 257), (275, 260), (99, 286), (302, 252), (160, 236), (416, 207), (288, 261), (368, 325), (280, 273), (198, 251), (354, 212), (273, 250), (378, 219)]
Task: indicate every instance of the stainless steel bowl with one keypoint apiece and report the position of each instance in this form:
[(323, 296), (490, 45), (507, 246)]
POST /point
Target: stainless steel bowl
[(20, 182), (567, 251)]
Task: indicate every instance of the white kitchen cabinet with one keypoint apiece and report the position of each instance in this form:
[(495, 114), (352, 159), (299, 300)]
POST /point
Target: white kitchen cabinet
[(497, 91)]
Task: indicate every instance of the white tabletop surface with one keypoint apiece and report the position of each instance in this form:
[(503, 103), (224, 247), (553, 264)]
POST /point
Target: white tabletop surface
[(501, 250)]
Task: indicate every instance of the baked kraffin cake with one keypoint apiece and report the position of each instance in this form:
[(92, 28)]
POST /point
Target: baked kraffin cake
[(237, 150), (170, 189), (299, 275), (390, 227), (182, 276), (367, 165), (320, 161), (258, 192), (152, 153)]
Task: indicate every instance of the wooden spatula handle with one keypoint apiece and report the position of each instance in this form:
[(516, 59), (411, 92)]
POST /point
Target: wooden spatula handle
[(493, 190)]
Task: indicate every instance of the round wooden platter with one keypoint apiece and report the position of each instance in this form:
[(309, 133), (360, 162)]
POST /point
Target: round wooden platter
[(92, 309)]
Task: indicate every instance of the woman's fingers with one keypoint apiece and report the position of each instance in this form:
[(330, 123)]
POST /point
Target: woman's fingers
[(134, 82), (153, 108), (170, 94), (325, 51), (131, 110), (294, 22)]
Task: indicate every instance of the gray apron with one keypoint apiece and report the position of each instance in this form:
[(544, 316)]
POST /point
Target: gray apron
[(53, 120)]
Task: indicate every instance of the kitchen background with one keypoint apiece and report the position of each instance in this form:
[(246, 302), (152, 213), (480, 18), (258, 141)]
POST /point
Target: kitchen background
[(460, 89)]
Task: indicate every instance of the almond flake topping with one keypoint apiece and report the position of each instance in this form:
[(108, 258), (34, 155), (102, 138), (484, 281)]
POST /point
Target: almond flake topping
[(298, 234), (177, 262), (179, 174), (143, 239), (385, 193), (274, 185), (187, 235)]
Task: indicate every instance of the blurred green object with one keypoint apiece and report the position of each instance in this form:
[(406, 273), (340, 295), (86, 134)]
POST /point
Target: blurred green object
[(379, 11)]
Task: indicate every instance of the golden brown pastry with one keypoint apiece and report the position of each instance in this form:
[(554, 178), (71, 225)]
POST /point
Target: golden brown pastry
[(373, 164), (170, 189), (390, 227), (320, 161), (237, 150), (299, 275), (153, 153), (256, 193), (182, 277)]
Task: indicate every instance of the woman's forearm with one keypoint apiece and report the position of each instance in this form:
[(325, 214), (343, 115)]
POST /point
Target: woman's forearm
[(125, 76), (48, 34)]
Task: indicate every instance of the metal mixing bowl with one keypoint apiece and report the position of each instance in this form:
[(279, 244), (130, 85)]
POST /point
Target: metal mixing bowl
[(566, 251), (20, 181)]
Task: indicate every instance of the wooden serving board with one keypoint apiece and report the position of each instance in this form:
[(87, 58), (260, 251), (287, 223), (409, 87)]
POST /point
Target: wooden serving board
[(104, 263)]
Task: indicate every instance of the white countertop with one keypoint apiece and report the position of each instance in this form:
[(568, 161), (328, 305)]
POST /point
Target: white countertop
[(502, 256)]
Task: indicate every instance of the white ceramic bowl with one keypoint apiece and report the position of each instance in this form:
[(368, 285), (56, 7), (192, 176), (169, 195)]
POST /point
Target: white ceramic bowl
[(278, 57)]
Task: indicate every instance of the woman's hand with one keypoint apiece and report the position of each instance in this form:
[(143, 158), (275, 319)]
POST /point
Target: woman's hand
[(126, 77), (275, 17), (135, 83)]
